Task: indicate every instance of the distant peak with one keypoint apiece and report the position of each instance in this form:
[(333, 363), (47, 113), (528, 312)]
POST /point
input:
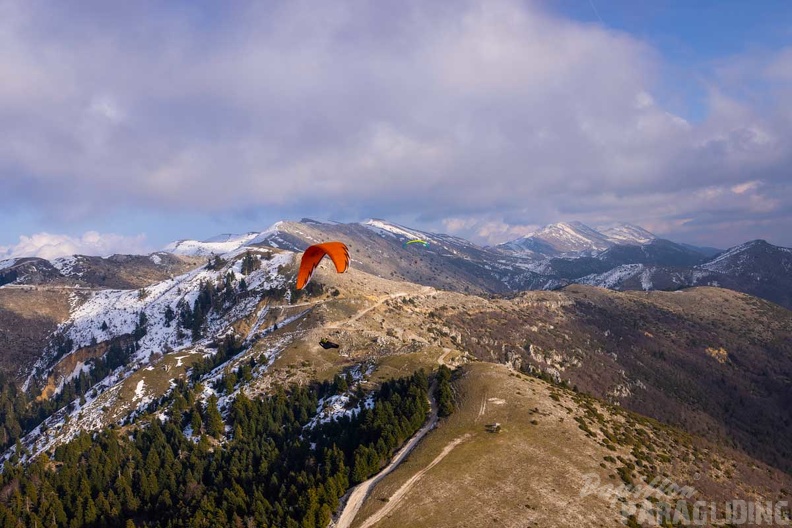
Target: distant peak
[(624, 233)]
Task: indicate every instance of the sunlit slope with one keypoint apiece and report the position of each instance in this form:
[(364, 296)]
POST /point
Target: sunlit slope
[(552, 445)]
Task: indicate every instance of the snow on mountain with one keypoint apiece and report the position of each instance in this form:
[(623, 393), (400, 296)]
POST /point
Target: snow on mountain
[(386, 228), (213, 246), (291, 236), (66, 264), (626, 234), (561, 238), (614, 278), (744, 256), (111, 313), (4, 264), (99, 316)]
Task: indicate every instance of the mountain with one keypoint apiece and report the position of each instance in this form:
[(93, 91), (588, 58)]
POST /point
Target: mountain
[(559, 459), (573, 239), (560, 239), (757, 268), (219, 369), (626, 234), (116, 271), (656, 251)]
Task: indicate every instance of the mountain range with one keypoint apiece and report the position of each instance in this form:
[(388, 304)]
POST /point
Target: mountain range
[(620, 257), (630, 385)]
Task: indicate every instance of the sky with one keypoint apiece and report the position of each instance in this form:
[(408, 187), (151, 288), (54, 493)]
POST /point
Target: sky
[(125, 126)]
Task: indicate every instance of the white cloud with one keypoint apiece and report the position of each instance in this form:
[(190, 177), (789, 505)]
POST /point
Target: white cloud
[(423, 110), (50, 246), (742, 188)]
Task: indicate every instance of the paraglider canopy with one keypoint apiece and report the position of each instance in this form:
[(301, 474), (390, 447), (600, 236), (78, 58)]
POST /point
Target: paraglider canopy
[(424, 243), (337, 251)]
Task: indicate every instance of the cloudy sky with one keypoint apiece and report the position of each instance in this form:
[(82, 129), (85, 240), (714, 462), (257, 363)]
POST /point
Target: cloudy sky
[(125, 125)]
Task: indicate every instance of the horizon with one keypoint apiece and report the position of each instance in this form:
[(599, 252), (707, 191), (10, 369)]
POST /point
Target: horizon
[(62, 248), (133, 126)]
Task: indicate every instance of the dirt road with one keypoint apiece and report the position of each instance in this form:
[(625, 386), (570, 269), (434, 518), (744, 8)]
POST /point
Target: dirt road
[(361, 491), (396, 498)]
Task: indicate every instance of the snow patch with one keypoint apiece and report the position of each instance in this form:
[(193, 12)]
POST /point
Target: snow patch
[(139, 390), (613, 278), (66, 265), (214, 246), (388, 229), (7, 263)]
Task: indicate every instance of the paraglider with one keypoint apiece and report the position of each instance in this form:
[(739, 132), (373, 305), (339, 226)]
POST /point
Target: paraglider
[(337, 251), (424, 243)]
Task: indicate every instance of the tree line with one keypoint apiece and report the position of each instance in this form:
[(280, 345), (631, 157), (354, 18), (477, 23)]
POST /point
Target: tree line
[(267, 467)]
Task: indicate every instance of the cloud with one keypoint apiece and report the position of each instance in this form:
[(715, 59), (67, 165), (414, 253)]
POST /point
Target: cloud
[(499, 112), (50, 246)]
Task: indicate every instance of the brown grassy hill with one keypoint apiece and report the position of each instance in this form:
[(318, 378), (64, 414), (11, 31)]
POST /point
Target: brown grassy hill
[(553, 445), (27, 318), (715, 362)]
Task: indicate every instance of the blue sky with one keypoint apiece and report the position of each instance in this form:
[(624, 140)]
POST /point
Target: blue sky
[(143, 123)]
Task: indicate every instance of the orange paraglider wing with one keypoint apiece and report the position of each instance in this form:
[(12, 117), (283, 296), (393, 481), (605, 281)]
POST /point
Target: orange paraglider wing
[(337, 251)]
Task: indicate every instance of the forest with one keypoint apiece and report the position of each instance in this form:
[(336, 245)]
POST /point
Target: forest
[(261, 464)]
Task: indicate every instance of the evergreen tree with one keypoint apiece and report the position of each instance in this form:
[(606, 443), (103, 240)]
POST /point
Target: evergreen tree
[(213, 419)]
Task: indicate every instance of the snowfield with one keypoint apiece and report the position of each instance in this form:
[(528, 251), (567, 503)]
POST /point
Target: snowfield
[(388, 229), (214, 246), (7, 263), (613, 278), (66, 265)]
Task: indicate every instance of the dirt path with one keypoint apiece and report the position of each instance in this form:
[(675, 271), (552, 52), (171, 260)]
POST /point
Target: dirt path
[(396, 498), (364, 311), (483, 408), (362, 490), (426, 292)]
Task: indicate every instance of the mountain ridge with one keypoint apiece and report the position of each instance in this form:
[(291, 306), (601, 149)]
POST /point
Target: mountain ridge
[(709, 361)]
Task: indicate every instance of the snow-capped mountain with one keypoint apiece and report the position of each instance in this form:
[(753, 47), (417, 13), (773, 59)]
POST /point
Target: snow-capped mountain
[(578, 239), (622, 256), (564, 238), (756, 267), (212, 246), (626, 234), (116, 271), (216, 339), (752, 258)]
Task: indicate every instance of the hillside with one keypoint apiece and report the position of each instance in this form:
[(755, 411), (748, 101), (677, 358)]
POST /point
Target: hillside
[(756, 268), (116, 271), (559, 459), (714, 363)]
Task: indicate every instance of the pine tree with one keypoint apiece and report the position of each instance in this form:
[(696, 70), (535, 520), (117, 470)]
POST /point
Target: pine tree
[(214, 420)]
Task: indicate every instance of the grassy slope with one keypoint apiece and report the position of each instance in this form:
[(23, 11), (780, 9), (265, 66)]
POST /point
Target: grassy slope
[(27, 318), (531, 473)]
